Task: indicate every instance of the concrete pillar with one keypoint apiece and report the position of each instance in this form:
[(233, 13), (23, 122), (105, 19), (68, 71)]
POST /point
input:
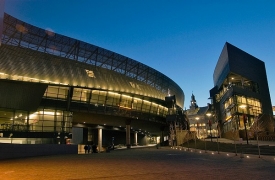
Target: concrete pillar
[(128, 133), (90, 135), (128, 136), (77, 135), (99, 140), (136, 138), (162, 135)]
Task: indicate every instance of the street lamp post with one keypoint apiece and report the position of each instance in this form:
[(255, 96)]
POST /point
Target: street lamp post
[(210, 124), (245, 121), (257, 135), (198, 126)]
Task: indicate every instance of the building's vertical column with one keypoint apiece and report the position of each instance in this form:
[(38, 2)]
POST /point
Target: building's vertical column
[(90, 135), (13, 117), (128, 133), (162, 135), (77, 135), (136, 138), (69, 97), (146, 140), (99, 140), (55, 122), (28, 126)]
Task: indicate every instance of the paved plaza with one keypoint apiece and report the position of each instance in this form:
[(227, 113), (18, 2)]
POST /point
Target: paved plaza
[(142, 163)]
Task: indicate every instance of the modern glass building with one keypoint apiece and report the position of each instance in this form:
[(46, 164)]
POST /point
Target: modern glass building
[(54, 87), (241, 94)]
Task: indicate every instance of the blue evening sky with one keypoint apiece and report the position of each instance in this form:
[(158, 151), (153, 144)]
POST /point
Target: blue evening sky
[(180, 38)]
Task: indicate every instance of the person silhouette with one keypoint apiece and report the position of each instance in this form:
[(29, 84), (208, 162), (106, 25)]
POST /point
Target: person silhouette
[(86, 148)]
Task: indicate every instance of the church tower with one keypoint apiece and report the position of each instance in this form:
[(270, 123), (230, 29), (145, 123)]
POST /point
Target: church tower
[(193, 104)]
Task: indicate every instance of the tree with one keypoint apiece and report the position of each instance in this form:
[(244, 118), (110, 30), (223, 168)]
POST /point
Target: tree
[(256, 128)]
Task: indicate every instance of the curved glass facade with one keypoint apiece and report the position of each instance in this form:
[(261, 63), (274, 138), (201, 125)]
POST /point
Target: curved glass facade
[(105, 99), (88, 65), (59, 81)]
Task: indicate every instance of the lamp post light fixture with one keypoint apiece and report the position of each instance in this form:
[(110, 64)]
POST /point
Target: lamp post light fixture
[(198, 126), (243, 106), (210, 124)]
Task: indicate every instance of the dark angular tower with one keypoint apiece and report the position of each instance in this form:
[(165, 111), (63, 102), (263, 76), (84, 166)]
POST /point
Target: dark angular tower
[(240, 93)]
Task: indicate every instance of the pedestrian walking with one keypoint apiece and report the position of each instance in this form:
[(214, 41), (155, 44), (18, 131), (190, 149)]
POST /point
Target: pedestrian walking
[(86, 148)]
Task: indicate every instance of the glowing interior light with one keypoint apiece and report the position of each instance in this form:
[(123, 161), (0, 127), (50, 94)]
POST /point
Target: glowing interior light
[(47, 112)]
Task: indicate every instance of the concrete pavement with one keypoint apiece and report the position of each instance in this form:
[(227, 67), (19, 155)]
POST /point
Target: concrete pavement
[(140, 163)]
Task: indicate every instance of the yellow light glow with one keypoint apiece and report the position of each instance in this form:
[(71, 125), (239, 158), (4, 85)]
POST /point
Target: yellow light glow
[(208, 114), (125, 107), (146, 101), (109, 92), (48, 113), (229, 117), (242, 106), (126, 96), (25, 78), (54, 82)]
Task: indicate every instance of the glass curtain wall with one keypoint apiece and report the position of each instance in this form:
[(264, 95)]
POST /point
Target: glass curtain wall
[(105, 99), (56, 92), (234, 113), (43, 120)]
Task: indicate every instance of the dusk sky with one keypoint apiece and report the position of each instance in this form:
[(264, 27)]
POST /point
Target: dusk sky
[(180, 38)]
